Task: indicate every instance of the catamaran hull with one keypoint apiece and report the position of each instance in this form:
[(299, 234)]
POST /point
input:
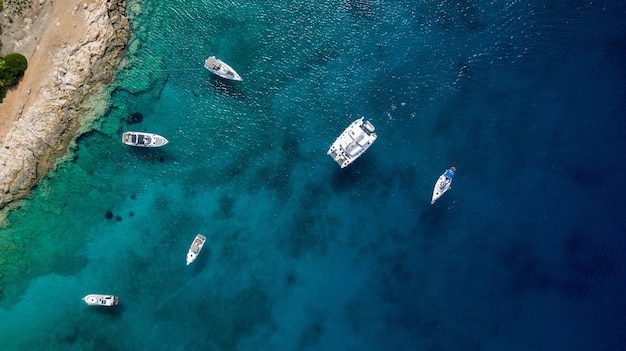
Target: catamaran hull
[(352, 142)]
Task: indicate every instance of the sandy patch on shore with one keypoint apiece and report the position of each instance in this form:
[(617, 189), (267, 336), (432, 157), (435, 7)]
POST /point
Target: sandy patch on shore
[(37, 34)]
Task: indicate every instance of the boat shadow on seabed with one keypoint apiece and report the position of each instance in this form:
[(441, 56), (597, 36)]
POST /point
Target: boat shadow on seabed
[(356, 175), (225, 87), (149, 155), (113, 311)]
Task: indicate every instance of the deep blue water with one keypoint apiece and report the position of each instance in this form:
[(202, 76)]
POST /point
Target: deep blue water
[(526, 252)]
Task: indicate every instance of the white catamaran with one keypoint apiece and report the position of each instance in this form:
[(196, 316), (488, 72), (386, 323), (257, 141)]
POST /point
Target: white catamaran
[(353, 142)]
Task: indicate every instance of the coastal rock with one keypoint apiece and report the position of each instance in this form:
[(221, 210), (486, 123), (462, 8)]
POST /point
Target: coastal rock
[(44, 129)]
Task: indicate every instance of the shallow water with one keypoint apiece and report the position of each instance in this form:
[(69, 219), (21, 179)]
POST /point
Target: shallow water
[(525, 252)]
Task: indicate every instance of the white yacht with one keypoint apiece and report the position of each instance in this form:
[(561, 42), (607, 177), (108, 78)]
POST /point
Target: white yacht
[(353, 142), (143, 139), (220, 68), (100, 300), (195, 248), (443, 184)]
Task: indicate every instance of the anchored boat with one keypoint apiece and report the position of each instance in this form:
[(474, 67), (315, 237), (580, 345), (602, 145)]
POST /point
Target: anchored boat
[(220, 68), (141, 139), (443, 184), (353, 142), (101, 300), (195, 248)]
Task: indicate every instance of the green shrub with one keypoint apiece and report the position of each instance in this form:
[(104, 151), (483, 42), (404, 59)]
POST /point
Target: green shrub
[(12, 67), (16, 64)]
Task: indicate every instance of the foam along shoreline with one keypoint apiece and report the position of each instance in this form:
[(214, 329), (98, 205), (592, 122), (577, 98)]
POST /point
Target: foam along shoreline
[(79, 45)]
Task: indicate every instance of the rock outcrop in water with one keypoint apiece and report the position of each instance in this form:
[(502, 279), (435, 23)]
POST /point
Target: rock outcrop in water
[(45, 128)]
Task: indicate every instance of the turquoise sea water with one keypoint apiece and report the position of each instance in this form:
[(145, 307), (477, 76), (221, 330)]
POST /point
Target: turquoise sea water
[(526, 252)]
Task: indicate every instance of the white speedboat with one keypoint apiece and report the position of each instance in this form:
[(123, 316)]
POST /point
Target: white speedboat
[(443, 184), (353, 142), (195, 248), (220, 68), (100, 300), (143, 139)]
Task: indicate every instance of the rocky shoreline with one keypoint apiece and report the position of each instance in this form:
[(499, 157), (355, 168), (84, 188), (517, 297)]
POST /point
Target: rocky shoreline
[(61, 105)]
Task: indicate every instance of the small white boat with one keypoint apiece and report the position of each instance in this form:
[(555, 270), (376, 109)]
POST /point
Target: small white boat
[(195, 248), (143, 139), (100, 300), (443, 184), (353, 142), (220, 68)]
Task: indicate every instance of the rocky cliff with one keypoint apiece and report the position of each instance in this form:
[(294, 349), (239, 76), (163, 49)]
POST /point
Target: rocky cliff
[(44, 129)]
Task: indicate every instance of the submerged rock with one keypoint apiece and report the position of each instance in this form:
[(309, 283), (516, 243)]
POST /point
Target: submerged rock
[(135, 118)]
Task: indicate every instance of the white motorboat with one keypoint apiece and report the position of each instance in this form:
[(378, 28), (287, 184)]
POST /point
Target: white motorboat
[(195, 248), (443, 184), (353, 142), (220, 68), (143, 139), (100, 300)]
